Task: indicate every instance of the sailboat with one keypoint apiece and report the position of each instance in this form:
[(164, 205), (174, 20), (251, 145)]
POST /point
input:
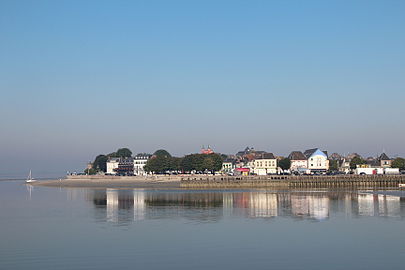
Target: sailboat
[(30, 179)]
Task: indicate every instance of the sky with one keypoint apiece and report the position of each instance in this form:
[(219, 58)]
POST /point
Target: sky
[(82, 78)]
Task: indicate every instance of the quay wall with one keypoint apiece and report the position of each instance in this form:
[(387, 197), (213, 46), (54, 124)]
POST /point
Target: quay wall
[(288, 181), (126, 178)]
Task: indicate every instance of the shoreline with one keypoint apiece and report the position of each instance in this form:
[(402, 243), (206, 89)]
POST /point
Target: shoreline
[(223, 182), (107, 183)]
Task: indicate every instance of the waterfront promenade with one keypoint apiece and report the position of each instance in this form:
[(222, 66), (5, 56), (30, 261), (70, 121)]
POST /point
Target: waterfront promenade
[(231, 182), (289, 181)]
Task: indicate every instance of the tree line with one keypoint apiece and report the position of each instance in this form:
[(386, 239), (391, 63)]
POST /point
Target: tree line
[(100, 162), (162, 163)]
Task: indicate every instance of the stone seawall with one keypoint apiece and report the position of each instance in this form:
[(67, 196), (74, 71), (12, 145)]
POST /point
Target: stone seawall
[(125, 178), (287, 181)]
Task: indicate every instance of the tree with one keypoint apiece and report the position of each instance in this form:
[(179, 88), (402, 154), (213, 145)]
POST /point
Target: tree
[(217, 159), (90, 171), (333, 165), (162, 164), (175, 163), (208, 164), (187, 163), (124, 152), (201, 163), (161, 152), (284, 164), (113, 154), (398, 163), (100, 163), (356, 161)]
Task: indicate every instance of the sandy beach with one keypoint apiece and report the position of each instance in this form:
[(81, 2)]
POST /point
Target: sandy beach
[(112, 182)]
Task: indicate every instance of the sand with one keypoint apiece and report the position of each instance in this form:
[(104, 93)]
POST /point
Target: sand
[(110, 183)]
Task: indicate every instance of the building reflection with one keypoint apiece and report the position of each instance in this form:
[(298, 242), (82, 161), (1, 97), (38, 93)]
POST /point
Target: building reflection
[(127, 206), (316, 207)]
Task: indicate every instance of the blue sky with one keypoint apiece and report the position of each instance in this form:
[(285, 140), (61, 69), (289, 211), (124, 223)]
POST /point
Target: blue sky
[(79, 78)]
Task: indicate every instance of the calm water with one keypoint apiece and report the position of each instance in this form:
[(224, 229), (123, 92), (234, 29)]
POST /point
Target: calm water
[(50, 228)]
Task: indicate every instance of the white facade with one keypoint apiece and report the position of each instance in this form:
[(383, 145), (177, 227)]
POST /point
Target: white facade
[(112, 164), (318, 161), (228, 167), (298, 164), (139, 163), (264, 166)]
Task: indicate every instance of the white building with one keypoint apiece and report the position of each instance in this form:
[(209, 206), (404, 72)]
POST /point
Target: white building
[(264, 164), (112, 164), (140, 162), (298, 161), (228, 166), (317, 160)]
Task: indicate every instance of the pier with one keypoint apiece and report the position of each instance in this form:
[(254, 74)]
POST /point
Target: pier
[(290, 181)]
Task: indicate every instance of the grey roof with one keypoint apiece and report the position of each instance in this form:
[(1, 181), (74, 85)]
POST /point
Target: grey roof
[(297, 155), (229, 160), (246, 151), (384, 157), (266, 156), (309, 152), (373, 162)]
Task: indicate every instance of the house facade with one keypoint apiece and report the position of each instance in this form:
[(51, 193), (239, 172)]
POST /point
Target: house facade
[(112, 165), (298, 161), (317, 160), (140, 161), (385, 161), (228, 166), (265, 164)]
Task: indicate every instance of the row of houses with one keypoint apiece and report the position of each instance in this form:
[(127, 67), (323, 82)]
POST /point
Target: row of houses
[(255, 162), (250, 161)]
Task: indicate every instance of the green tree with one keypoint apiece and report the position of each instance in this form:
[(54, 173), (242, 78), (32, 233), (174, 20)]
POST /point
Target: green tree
[(201, 163), (90, 171), (356, 161), (113, 154), (162, 164), (124, 152), (162, 152), (217, 166), (186, 164), (208, 164), (284, 163), (175, 163), (333, 165), (100, 163), (398, 163)]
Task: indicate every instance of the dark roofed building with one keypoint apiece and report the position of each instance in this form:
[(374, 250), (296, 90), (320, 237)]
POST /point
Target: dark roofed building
[(297, 155), (298, 161), (317, 160), (266, 156), (385, 161)]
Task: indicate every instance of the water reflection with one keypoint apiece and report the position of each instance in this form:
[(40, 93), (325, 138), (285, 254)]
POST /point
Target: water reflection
[(126, 206)]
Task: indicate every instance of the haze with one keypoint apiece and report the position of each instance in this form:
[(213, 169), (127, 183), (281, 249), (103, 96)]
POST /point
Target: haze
[(80, 78)]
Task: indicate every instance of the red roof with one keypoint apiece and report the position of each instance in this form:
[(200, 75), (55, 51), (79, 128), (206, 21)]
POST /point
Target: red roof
[(243, 169)]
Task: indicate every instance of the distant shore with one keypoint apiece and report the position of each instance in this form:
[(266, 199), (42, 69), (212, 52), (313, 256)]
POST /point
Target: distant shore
[(224, 182)]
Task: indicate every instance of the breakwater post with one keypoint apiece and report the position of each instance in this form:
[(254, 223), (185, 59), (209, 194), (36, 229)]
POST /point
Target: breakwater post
[(290, 181)]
